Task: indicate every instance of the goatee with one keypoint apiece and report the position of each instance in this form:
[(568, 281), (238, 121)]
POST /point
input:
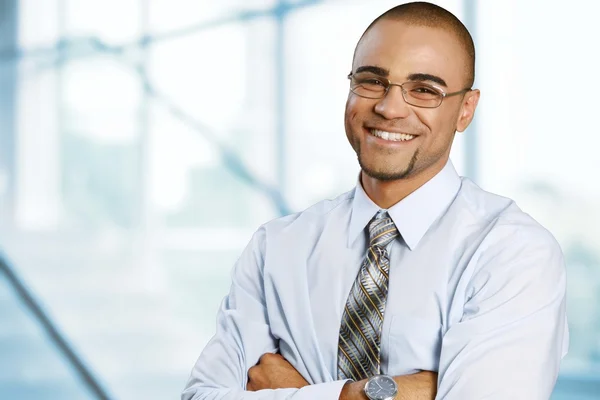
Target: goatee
[(386, 176)]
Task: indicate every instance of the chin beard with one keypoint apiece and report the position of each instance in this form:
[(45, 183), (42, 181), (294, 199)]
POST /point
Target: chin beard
[(390, 175)]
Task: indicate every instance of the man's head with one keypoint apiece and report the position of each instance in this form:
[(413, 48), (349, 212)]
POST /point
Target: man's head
[(428, 46)]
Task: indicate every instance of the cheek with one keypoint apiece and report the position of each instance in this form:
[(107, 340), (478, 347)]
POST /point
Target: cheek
[(351, 122), (427, 119), (437, 124), (350, 112), (351, 119), (354, 108)]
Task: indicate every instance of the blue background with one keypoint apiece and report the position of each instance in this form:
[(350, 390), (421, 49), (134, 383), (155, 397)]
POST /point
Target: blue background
[(143, 141)]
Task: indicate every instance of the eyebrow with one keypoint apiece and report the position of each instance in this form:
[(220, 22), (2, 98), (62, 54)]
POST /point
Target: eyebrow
[(427, 77), (419, 77), (373, 69)]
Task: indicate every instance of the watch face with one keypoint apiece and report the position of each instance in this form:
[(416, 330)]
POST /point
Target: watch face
[(381, 387)]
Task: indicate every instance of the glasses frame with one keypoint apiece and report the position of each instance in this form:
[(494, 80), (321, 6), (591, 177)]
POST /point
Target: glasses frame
[(400, 85)]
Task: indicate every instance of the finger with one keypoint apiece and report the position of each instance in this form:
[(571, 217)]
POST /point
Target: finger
[(252, 372), (269, 358)]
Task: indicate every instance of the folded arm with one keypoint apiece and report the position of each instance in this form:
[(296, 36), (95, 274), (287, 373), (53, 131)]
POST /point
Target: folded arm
[(513, 331), (275, 372), (240, 361), (242, 337)]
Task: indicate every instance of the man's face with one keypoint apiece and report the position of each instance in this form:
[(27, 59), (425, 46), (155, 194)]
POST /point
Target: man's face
[(403, 51)]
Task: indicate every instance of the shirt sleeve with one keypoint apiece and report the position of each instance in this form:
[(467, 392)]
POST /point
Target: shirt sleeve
[(242, 337), (513, 331)]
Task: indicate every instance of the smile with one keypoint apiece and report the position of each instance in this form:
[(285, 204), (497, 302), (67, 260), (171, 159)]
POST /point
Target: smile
[(391, 136)]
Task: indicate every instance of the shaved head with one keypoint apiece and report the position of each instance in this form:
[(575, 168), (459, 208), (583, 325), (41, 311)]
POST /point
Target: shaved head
[(430, 15)]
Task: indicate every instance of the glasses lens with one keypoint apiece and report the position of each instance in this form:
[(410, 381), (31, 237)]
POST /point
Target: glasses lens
[(422, 95), (367, 85)]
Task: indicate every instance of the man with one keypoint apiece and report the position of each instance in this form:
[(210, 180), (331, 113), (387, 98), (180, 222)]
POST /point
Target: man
[(416, 284)]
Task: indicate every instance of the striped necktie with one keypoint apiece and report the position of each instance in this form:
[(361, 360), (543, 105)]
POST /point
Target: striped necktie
[(360, 330)]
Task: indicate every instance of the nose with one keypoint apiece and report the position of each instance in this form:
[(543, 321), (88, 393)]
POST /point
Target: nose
[(393, 105)]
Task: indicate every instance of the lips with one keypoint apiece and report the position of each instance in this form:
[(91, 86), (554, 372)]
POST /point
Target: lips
[(391, 136)]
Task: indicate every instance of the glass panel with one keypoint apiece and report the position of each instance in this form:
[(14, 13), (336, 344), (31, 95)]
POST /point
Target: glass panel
[(137, 188), (112, 21), (173, 15), (30, 366), (38, 23), (539, 149)]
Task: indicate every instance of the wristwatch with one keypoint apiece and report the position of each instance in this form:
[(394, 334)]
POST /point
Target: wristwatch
[(381, 387)]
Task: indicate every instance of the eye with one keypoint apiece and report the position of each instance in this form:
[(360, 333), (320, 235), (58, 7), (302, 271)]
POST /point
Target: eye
[(372, 81), (421, 91), (425, 90), (369, 80)]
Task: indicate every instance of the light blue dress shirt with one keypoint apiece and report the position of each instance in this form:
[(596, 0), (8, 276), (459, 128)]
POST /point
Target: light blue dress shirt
[(476, 293)]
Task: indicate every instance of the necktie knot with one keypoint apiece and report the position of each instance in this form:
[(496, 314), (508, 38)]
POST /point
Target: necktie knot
[(382, 230)]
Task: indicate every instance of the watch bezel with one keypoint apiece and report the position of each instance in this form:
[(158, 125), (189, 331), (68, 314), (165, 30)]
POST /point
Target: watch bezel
[(371, 379)]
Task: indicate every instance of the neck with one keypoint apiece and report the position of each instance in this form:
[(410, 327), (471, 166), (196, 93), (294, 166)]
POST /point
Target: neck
[(387, 193)]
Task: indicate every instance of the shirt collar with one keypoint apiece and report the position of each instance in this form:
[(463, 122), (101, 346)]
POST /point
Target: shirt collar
[(415, 213)]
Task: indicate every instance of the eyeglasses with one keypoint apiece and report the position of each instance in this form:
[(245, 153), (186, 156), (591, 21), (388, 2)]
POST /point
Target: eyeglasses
[(418, 94)]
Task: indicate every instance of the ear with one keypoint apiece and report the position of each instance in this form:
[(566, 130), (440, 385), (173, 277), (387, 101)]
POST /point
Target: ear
[(467, 111)]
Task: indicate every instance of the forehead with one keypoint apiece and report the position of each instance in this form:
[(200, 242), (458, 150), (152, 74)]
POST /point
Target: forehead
[(405, 49)]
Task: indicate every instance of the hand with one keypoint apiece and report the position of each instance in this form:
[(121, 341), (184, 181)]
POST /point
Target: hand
[(274, 372), (419, 386)]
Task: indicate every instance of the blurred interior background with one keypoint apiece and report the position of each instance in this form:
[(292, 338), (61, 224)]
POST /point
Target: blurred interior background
[(143, 141)]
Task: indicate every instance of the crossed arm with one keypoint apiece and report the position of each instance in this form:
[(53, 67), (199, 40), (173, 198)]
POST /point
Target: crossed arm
[(507, 343), (274, 372), (243, 362)]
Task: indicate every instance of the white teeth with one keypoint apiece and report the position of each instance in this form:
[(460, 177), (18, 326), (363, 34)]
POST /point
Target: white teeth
[(395, 137)]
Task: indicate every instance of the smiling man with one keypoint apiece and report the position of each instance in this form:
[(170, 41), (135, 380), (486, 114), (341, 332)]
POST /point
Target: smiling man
[(416, 284)]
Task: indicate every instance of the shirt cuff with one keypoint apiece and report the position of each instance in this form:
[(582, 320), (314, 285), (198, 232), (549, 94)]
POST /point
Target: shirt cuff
[(328, 390)]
